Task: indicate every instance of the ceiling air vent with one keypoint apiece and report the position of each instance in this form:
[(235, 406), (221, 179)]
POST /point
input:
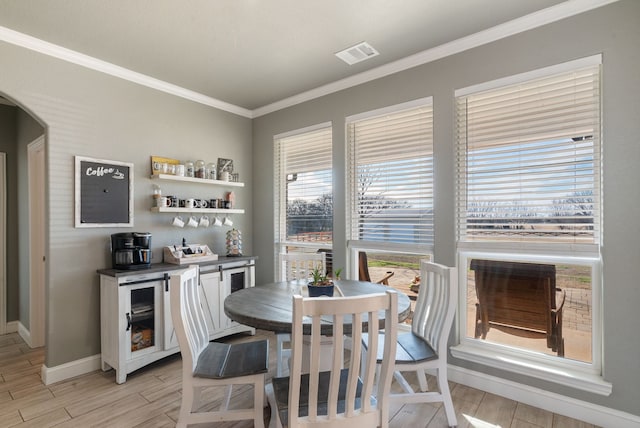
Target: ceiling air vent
[(357, 53)]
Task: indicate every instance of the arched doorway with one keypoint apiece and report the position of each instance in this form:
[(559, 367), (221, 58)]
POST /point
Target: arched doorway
[(22, 218)]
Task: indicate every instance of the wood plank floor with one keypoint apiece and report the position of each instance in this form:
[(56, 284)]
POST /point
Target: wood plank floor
[(151, 398)]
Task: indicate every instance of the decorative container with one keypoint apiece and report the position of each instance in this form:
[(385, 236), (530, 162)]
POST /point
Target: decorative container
[(320, 290)]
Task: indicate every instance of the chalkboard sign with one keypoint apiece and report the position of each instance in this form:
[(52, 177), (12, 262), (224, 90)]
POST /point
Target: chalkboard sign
[(104, 193)]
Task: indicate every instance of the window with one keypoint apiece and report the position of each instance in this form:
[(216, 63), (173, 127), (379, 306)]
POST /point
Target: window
[(303, 190), (390, 185), (529, 214)]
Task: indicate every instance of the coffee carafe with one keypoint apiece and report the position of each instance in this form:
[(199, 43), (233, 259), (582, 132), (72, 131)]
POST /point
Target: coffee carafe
[(131, 250)]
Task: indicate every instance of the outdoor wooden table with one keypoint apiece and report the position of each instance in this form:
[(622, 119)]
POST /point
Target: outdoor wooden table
[(269, 306)]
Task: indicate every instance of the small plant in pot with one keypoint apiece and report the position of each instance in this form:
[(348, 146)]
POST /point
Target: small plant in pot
[(320, 284)]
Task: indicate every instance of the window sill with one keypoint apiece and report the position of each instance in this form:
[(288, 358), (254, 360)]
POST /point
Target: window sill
[(539, 367)]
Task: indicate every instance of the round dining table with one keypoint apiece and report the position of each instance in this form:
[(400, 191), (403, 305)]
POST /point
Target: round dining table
[(269, 306)]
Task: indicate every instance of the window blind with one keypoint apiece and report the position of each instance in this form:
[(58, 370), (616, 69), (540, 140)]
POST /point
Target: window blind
[(304, 195), (529, 160), (391, 177)]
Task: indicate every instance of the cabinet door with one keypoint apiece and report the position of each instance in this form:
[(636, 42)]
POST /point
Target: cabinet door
[(210, 298), (170, 338), (234, 279), (142, 318)]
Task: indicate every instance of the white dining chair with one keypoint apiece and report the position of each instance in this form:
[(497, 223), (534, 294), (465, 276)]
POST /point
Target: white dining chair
[(295, 267), (211, 364), (339, 397), (424, 347)]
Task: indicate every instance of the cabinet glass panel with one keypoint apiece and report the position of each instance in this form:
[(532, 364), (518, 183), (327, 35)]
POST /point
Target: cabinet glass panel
[(142, 318), (237, 280)]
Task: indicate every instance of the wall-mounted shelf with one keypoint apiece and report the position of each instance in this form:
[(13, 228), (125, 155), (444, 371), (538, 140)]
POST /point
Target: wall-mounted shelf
[(196, 180), (196, 210)]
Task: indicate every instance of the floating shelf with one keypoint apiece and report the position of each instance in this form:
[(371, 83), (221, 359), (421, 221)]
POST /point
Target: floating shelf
[(196, 210), (196, 180)]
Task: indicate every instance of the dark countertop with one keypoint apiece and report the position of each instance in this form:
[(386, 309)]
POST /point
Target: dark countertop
[(166, 267)]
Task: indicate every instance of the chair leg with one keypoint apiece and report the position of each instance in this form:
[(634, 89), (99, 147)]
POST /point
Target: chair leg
[(274, 422), (258, 400), (282, 355), (397, 375), (186, 408), (443, 384), (422, 380)]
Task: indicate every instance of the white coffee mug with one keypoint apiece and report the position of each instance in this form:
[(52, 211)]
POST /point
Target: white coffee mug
[(225, 176), (193, 221), (204, 221), (163, 202), (227, 221), (189, 203), (204, 203), (217, 222), (177, 221)]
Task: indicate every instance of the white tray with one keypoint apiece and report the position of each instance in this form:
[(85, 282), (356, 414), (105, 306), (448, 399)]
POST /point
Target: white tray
[(202, 253)]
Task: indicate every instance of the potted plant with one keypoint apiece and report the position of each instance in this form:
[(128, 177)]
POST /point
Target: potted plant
[(320, 284)]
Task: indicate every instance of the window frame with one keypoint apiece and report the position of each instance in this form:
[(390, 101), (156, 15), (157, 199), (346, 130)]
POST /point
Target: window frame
[(355, 245), (281, 243), (577, 374)]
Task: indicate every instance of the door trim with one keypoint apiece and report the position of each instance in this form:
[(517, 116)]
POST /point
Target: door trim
[(36, 169), (3, 244)]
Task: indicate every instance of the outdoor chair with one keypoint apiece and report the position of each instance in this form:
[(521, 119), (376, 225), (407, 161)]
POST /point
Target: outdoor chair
[(211, 364), (338, 398), (363, 270), (520, 299)]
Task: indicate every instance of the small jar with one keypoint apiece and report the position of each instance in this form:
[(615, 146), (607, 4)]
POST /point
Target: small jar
[(157, 193), (212, 171), (199, 169), (189, 169)]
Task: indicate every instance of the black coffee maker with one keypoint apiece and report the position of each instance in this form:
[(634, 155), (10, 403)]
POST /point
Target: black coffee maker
[(131, 250)]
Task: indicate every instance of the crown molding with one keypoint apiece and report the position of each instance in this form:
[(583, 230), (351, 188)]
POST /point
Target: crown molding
[(518, 25), (59, 52)]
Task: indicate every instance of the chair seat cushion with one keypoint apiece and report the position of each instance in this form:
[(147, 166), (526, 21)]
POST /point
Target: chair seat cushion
[(281, 392), (222, 360), (411, 348)]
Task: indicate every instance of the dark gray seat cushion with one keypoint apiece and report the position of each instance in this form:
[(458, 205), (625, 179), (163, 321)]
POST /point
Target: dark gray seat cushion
[(222, 360), (410, 349), (281, 391)]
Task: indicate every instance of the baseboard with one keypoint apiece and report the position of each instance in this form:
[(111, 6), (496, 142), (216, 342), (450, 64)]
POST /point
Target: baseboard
[(24, 334), (550, 401), (71, 369), (12, 326)]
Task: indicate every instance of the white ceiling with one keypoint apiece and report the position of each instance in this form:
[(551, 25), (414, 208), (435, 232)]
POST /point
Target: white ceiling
[(254, 56)]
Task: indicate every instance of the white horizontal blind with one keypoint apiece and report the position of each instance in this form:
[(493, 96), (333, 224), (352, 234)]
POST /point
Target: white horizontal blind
[(304, 196), (391, 177), (529, 160)]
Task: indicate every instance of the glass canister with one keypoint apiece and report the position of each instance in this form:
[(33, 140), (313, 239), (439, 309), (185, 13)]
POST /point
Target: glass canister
[(212, 173), (189, 169), (199, 169)]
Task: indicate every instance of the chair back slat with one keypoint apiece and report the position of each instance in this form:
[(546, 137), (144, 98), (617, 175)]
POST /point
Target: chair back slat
[(435, 306), (339, 397), (188, 316), (299, 266)]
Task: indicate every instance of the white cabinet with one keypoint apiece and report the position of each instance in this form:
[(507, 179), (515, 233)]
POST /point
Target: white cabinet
[(135, 322), (135, 312)]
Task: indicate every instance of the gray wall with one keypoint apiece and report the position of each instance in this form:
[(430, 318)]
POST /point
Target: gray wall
[(8, 144), (614, 31), (92, 114)]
